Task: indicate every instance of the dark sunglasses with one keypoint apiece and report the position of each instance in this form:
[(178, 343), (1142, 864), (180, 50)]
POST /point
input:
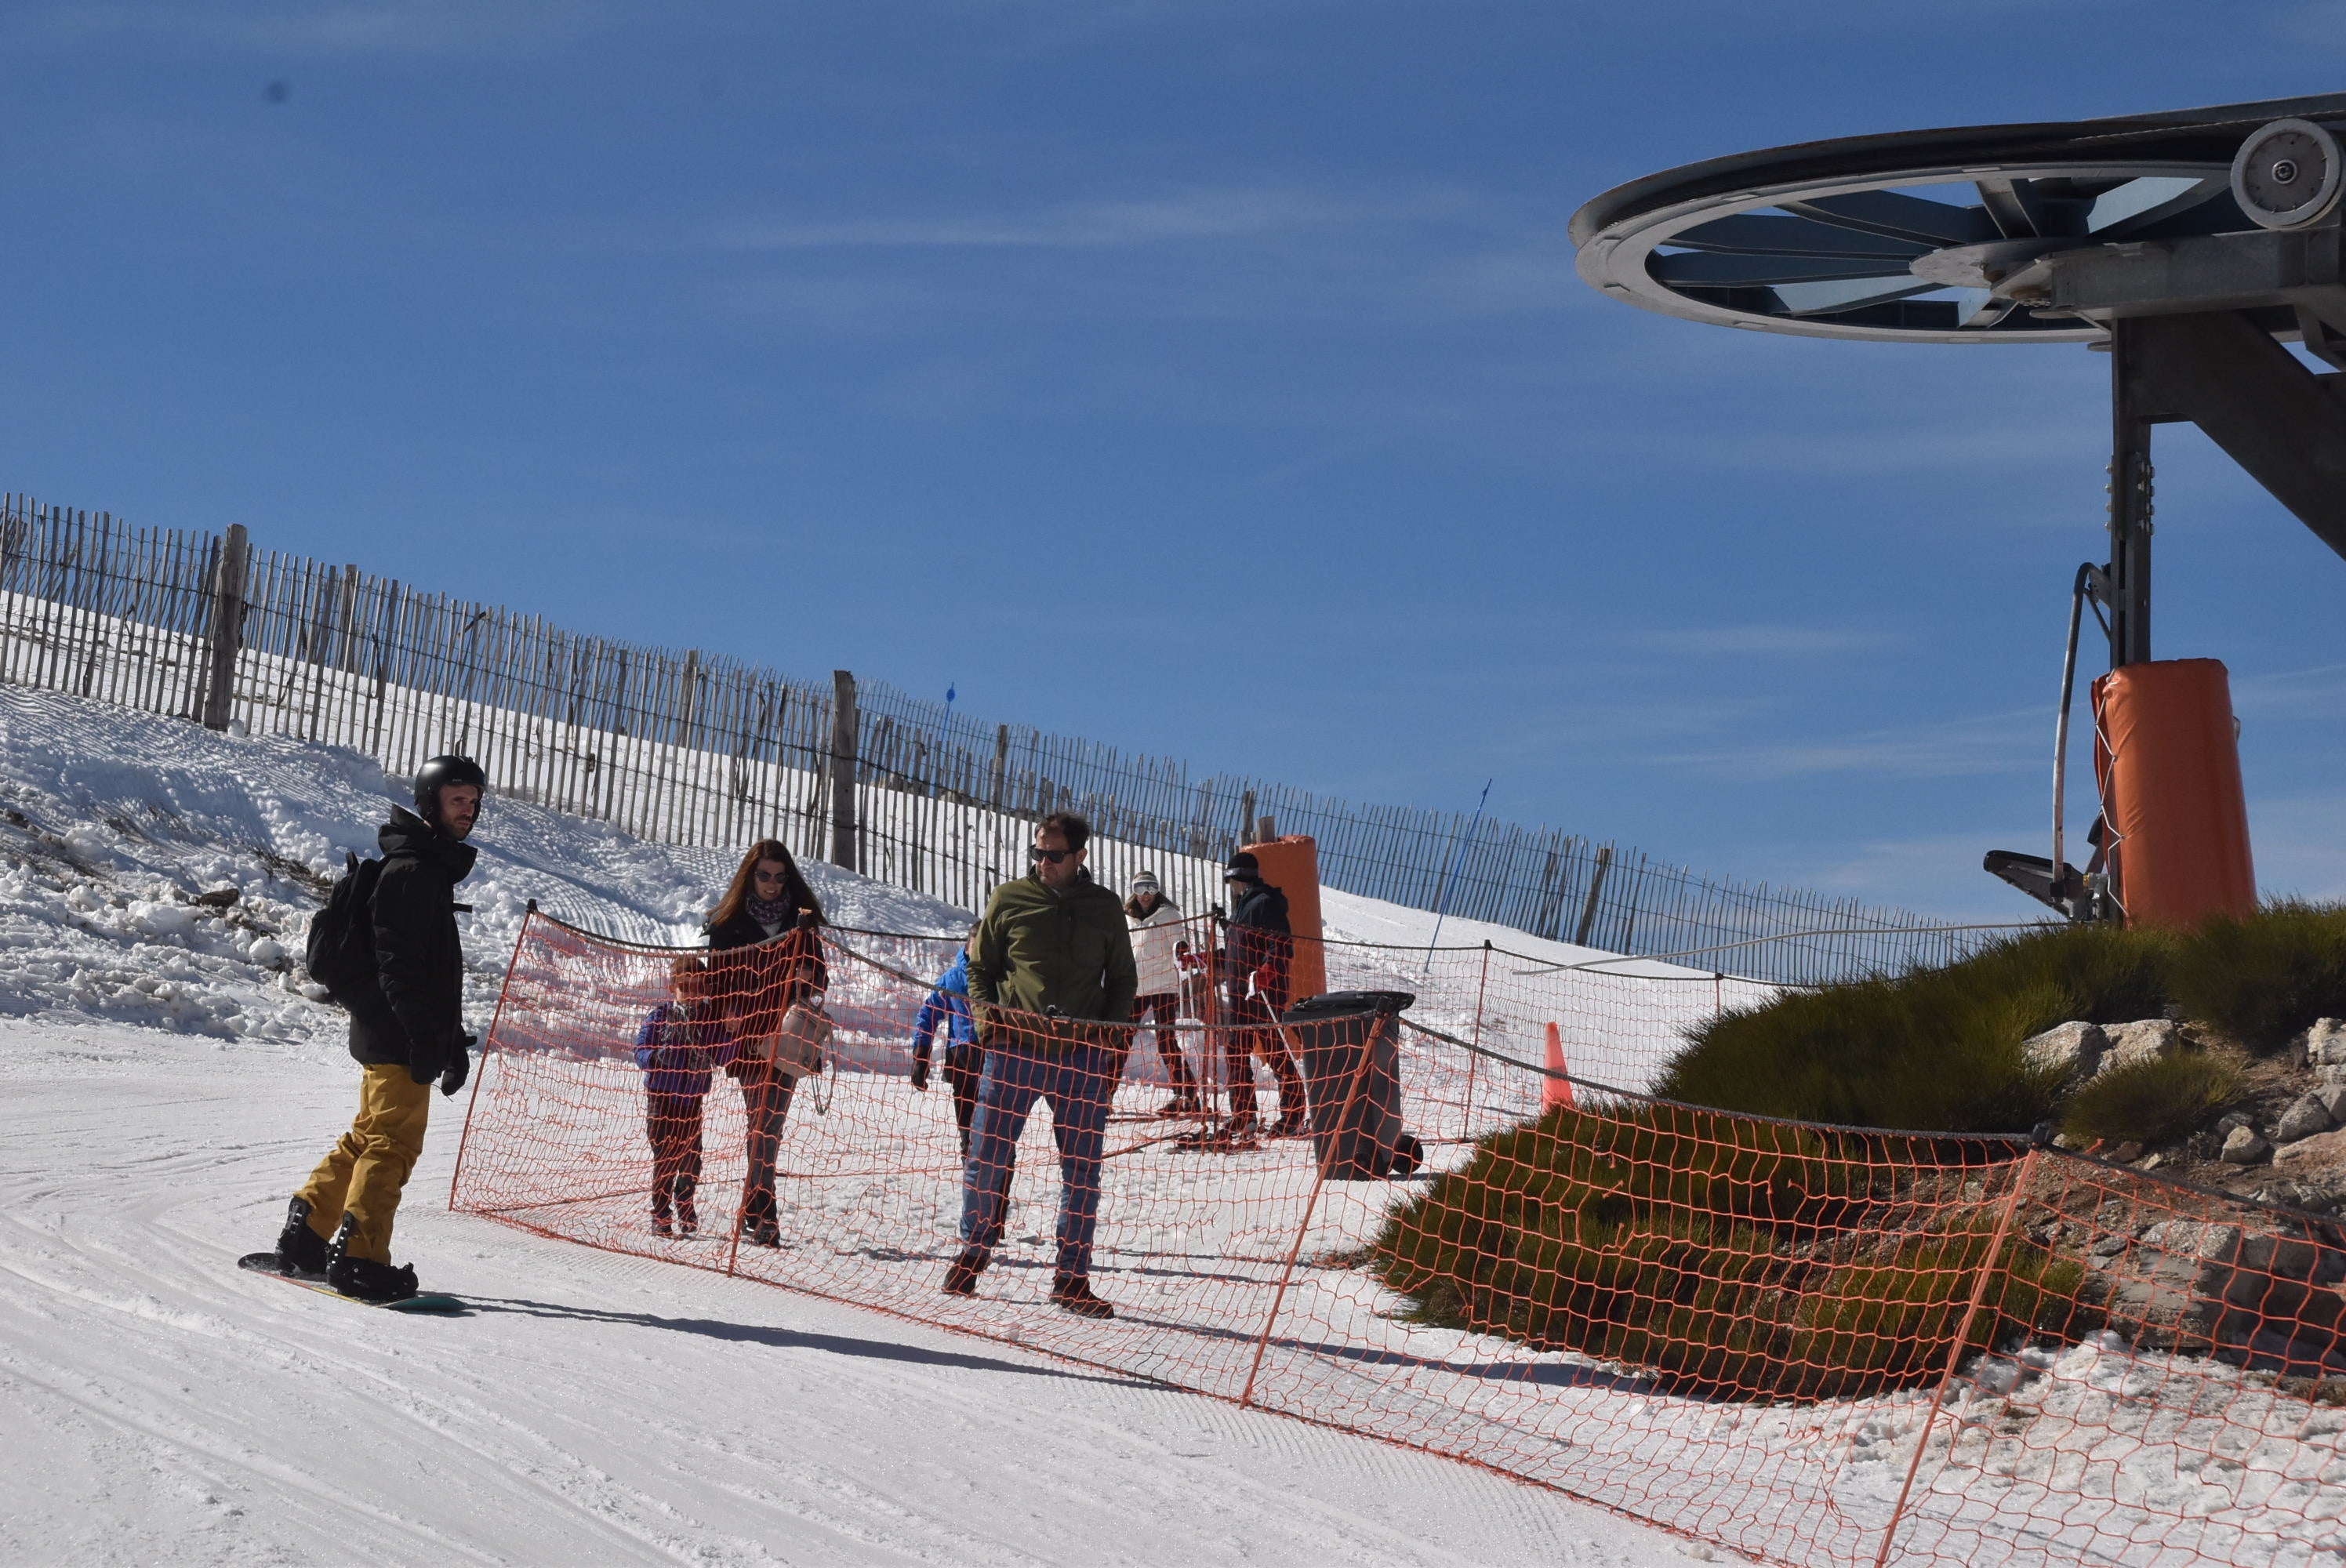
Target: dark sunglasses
[(1036, 855)]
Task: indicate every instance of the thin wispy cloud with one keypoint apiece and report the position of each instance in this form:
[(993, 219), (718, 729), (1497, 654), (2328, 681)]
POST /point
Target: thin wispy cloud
[(2312, 691), (413, 29), (1194, 215), (1994, 743), (1938, 871), (1759, 638)]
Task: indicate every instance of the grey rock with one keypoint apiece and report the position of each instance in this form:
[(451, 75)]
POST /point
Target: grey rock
[(2320, 1151), (2305, 1116), (2072, 1049), (2190, 1239), (2325, 1042), (2145, 1041), (2243, 1148), (2265, 1302), (2333, 1100), (2126, 1152), (2231, 1120)]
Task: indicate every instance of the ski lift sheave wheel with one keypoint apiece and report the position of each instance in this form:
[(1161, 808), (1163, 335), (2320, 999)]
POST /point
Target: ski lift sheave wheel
[(2286, 176), (1934, 235)]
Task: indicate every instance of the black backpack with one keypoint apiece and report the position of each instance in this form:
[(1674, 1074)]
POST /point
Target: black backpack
[(340, 954)]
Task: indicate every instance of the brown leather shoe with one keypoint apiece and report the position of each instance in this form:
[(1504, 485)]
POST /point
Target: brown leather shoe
[(961, 1278), (1073, 1292)]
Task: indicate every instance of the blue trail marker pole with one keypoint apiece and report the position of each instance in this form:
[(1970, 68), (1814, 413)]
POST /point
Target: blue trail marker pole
[(1441, 894)]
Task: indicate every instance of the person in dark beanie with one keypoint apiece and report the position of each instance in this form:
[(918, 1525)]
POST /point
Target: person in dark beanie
[(1051, 982), (407, 1031), (1261, 950)]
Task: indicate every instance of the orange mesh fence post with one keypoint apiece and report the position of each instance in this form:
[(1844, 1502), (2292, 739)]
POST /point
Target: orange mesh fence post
[(1327, 1153), (1989, 1261), (1481, 991), (480, 1066)]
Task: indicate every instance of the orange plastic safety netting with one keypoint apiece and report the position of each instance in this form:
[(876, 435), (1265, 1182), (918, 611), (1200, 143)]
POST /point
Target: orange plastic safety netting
[(1808, 1345)]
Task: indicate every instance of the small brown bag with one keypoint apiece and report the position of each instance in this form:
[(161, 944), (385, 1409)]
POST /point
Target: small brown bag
[(797, 1049)]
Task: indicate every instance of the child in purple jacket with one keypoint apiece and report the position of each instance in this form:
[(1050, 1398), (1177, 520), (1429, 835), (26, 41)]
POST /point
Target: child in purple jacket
[(680, 1043)]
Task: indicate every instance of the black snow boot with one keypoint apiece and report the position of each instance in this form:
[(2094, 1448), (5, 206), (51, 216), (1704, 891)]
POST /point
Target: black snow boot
[(1073, 1292), (362, 1278), (365, 1280), (961, 1279), (299, 1250)]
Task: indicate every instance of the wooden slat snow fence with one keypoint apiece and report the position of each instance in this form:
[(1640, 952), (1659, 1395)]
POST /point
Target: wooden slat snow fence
[(693, 747)]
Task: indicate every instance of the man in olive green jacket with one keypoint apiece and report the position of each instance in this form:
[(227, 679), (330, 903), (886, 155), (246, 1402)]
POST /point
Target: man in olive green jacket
[(1051, 982)]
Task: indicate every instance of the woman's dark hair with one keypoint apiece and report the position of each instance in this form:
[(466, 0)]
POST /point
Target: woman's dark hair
[(1132, 905), (794, 886)]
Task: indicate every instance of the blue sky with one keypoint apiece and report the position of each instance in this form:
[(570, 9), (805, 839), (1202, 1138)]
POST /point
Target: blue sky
[(1210, 379)]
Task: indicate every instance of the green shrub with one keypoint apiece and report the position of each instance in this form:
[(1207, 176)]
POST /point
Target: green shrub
[(2262, 979), (1730, 1257), (1937, 1050), (2155, 1100)]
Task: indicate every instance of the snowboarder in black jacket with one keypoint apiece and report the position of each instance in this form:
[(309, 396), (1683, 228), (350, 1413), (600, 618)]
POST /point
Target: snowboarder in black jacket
[(407, 1030)]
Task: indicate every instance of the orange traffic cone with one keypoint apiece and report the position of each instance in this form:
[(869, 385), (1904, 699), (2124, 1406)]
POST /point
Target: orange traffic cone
[(1557, 1089)]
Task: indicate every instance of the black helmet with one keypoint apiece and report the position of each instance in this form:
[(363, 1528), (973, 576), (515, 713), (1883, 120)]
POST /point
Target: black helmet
[(442, 771)]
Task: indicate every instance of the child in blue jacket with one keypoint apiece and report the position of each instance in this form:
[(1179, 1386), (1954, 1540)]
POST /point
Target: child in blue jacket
[(947, 1008), (681, 1043)]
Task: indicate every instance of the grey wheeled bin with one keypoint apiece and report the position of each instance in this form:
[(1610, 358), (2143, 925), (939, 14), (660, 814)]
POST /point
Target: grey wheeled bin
[(1352, 1064)]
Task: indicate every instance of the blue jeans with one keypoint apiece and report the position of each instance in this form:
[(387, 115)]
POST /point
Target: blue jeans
[(1075, 1081)]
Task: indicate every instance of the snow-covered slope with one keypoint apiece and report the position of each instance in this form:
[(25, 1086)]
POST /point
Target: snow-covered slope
[(156, 1406), (114, 823)]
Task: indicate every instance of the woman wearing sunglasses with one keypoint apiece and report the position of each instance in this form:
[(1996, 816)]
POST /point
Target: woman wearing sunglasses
[(767, 927)]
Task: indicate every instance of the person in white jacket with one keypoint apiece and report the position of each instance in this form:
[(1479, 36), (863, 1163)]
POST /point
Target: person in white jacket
[(1159, 953)]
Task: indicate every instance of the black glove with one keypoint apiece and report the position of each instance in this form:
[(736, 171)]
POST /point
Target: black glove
[(921, 1074), (460, 1064)]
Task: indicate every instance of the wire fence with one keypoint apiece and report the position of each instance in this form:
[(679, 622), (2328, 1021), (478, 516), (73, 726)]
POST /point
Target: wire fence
[(1808, 1345), (700, 748)]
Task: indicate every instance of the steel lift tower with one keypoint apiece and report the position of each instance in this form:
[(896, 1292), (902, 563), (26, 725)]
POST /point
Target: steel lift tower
[(2190, 246)]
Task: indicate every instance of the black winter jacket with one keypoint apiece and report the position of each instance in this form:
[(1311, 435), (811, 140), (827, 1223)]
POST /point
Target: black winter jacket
[(414, 1016), (752, 973), (1261, 938)]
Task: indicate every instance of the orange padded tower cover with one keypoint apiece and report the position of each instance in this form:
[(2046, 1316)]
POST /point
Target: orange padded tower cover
[(2168, 764), (1291, 864)]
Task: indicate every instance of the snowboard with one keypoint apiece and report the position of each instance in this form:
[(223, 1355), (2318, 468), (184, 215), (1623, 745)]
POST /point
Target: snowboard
[(266, 1263)]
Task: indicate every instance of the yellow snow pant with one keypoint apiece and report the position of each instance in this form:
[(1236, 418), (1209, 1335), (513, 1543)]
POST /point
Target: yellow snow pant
[(364, 1173)]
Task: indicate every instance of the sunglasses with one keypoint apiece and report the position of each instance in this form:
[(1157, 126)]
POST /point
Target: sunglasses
[(1036, 855)]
